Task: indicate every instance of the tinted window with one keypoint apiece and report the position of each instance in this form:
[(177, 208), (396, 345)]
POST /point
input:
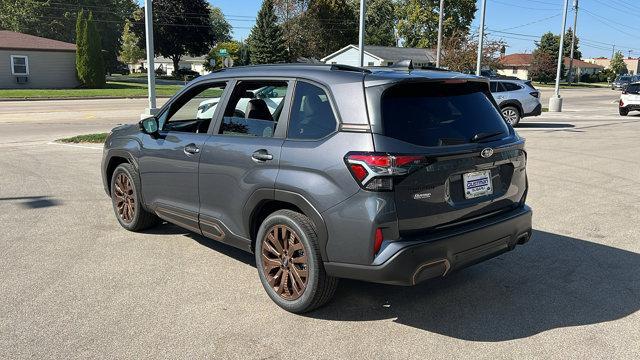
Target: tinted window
[(254, 108), (511, 86), (439, 114), (311, 113), (625, 78), (633, 88), (192, 112)]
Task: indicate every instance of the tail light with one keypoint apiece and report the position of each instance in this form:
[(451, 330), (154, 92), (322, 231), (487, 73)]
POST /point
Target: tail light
[(375, 171), (377, 241), (621, 103), (535, 94)]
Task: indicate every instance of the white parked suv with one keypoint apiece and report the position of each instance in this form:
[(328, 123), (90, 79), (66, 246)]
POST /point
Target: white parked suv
[(516, 98), (630, 99)]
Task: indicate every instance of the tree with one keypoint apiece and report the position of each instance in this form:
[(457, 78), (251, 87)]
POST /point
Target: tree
[(220, 24), (181, 27), (418, 20), (234, 49), (57, 19), (380, 23), (266, 41), (81, 47), (459, 52), (543, 66), (95, 74), (130, 52), (617, 64), (330, 25), (550, 43)]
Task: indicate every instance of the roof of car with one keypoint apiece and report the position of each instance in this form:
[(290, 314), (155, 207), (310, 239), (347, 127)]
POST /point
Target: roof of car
[(329, 73)]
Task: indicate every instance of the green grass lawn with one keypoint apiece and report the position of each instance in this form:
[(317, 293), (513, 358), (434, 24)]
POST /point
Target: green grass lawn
[(112, 89), (88, 138), (564, 85)]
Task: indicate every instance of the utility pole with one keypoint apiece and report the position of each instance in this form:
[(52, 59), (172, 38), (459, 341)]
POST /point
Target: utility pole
[(363, 10), (151, 74), (439, 51), (481, 39), (613, 52), (555, 102), (573, 39)]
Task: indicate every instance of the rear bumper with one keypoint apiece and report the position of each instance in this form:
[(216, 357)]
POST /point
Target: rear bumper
[(631, 107), (537, 111), (411, 261)]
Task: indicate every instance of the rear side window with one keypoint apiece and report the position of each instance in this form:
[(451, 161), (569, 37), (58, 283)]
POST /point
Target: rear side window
[(311, 113), (511, 86), (436, 114)]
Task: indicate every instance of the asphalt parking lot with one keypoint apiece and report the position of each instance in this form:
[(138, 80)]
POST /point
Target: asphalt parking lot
[(76, 285)]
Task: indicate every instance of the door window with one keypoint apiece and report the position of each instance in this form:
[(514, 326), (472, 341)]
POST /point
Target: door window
[(254, 109), (311, 116), (497, 87), (192, 112)]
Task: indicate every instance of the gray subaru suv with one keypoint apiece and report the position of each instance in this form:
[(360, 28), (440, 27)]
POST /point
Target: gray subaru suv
[(386, 176)]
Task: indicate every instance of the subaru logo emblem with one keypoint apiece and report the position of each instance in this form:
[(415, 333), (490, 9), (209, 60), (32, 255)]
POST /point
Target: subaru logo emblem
[(486, 152)]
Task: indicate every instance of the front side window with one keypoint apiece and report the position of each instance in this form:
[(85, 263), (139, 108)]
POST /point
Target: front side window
[(193, 111), (19, 65), (255, 108), (311, 116)]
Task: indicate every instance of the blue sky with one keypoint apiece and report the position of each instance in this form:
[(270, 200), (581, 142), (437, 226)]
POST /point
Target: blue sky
[(601, 23)]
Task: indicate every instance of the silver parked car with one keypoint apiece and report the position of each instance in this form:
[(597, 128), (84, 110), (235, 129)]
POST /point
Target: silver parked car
[(516, 98)]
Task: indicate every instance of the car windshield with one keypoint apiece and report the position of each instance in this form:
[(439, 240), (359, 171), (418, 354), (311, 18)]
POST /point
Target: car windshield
[(440, 114), (625, 78)]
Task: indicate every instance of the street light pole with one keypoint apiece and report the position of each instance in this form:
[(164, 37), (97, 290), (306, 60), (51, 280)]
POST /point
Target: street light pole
[(151, 74), (441, 15), (363, 10), (555, 102), (481, 39), (573, 39)]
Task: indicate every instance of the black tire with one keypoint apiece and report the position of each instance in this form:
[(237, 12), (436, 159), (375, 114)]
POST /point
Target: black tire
[(623, 111), (320, 287), (511, 115), (141, 219)]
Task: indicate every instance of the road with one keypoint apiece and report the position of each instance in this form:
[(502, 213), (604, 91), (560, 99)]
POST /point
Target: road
[(76, 285)]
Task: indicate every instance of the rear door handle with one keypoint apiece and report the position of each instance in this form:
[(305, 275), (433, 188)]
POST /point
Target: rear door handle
[(191, 149), (261, 155)]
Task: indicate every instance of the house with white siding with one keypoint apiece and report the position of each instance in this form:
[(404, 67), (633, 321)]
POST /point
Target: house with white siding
[(381, 56), (28, 61)]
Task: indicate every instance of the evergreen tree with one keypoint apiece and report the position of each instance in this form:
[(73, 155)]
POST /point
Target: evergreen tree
[(81, 48), (266, 41), (95, 76), (617, 64)]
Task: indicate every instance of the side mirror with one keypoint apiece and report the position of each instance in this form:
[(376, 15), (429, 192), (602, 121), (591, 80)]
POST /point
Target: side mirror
[(149, 126)]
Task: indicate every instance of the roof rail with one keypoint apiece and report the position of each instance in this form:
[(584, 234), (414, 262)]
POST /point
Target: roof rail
[(342, 67)]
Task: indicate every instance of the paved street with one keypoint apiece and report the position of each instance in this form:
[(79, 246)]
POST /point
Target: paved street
[(76, 285)]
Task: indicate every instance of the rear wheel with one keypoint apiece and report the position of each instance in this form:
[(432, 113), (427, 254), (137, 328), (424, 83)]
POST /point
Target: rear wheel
[(623, 111), (126, 200), (289, 263), (511, 115)]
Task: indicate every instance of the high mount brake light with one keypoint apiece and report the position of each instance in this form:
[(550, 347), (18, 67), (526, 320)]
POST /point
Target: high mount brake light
[(374, 171)]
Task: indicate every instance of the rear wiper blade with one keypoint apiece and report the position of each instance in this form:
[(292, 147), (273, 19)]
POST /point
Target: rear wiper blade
[(483, 136)]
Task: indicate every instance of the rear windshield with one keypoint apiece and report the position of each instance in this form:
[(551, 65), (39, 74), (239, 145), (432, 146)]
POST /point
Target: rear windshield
[(633, 88), (439, 114)]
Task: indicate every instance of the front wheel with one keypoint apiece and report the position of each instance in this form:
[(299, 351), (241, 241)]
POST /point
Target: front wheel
[(289, 263), (127, 201), (511, 115)]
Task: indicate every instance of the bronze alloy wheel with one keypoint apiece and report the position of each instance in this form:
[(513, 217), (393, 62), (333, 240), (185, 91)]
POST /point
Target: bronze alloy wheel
[(124, 197), (284, 262)]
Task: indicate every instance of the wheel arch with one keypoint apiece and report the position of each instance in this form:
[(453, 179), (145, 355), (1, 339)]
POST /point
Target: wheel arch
[(513, 103), (264, 202)]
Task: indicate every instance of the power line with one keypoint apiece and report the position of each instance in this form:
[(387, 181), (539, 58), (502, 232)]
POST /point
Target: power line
[(532, 22), (524, 7)]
